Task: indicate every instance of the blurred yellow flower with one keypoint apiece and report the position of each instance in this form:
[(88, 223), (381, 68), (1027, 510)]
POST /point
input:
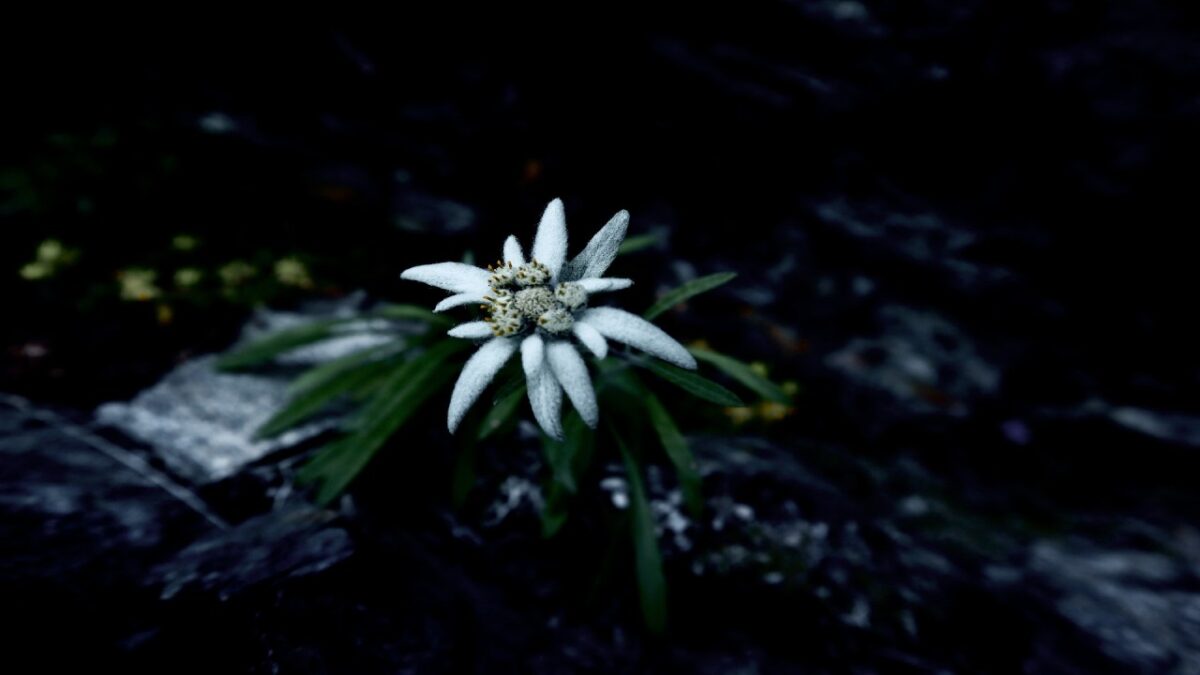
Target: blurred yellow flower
[(187, 277), (236, 273), (137, 284), (291, 271)]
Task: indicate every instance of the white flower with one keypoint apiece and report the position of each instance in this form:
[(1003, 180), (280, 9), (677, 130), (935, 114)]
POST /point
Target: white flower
[(537, 306)]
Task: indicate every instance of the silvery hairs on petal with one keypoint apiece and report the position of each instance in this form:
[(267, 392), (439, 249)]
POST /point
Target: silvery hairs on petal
[(572, 373), (450, 276), (476, 375), (600, 252), (550, 242), (545, 394), (617, 324)]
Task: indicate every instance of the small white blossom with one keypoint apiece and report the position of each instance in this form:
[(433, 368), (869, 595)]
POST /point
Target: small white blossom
[(537, 306)]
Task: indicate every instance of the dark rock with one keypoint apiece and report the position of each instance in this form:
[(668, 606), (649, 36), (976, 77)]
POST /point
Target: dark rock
[(202, 421), (1141, 609), (73, 501), (920, 362), (81, 519), (287, 543)]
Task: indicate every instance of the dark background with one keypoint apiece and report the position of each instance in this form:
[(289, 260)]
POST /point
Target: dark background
[(961, 227)]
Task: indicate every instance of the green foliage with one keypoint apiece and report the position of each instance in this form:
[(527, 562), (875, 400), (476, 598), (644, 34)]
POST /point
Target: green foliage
[(263, 351), (652, 583), (503, 411), (689, 290), (401, 312), (638, 243), (400, 395), (568, 459), (696, 385), (320, 386), (744, 374), (677, 450), (391, 383)]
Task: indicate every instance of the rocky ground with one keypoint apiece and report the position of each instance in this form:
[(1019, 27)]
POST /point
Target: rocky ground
[(957, 226)]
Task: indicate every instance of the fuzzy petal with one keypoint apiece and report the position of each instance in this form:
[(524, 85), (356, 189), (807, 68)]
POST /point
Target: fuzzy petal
[(533, 354), (451, 276), (545, 394), (476, 374), (545, 398), (512, 251), (602, 285), (592, 339), (550, 242), (600, 252), (458, 300), (633, 330), (572, 373), (474, 330)]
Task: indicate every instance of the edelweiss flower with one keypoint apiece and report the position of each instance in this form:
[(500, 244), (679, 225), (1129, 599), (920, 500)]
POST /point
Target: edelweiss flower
[(538, 306)]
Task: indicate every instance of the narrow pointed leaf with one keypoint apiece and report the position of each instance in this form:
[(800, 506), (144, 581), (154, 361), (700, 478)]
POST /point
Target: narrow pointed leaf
[(318, 375), (652, 584), (410, 385), (638, 243), (689, 290), (402, 312), (744, 374), (319, 389), (501, 412), (266, 349), (677, 450), (696, 385), (512, 378), (568, 459)]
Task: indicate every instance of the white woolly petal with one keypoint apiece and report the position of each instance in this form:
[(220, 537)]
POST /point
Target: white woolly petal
[(592, 339), (512, 251), (572, 374), (473, 330), (533, 351), (457, 300), (599, 253), (550, 242), (545, 395), (451, 276), (601, 285), (617, 324), (545, 398), (476, 374)]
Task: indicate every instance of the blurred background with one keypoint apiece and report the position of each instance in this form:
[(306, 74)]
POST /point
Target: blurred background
[(960, 232)]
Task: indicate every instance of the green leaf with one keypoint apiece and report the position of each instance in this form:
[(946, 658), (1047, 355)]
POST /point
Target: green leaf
[(401, 312), (401, 395), (689, 290), (320, 374), (262, 351), (677, 450), (554, 511), (320, 389), (513, 377), (501, 412), (568, 459), (743, 373), (696, 385), (639, 242), (652, 583)]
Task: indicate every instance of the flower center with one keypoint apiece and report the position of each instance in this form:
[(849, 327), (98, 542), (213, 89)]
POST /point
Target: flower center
[(522, 300)]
